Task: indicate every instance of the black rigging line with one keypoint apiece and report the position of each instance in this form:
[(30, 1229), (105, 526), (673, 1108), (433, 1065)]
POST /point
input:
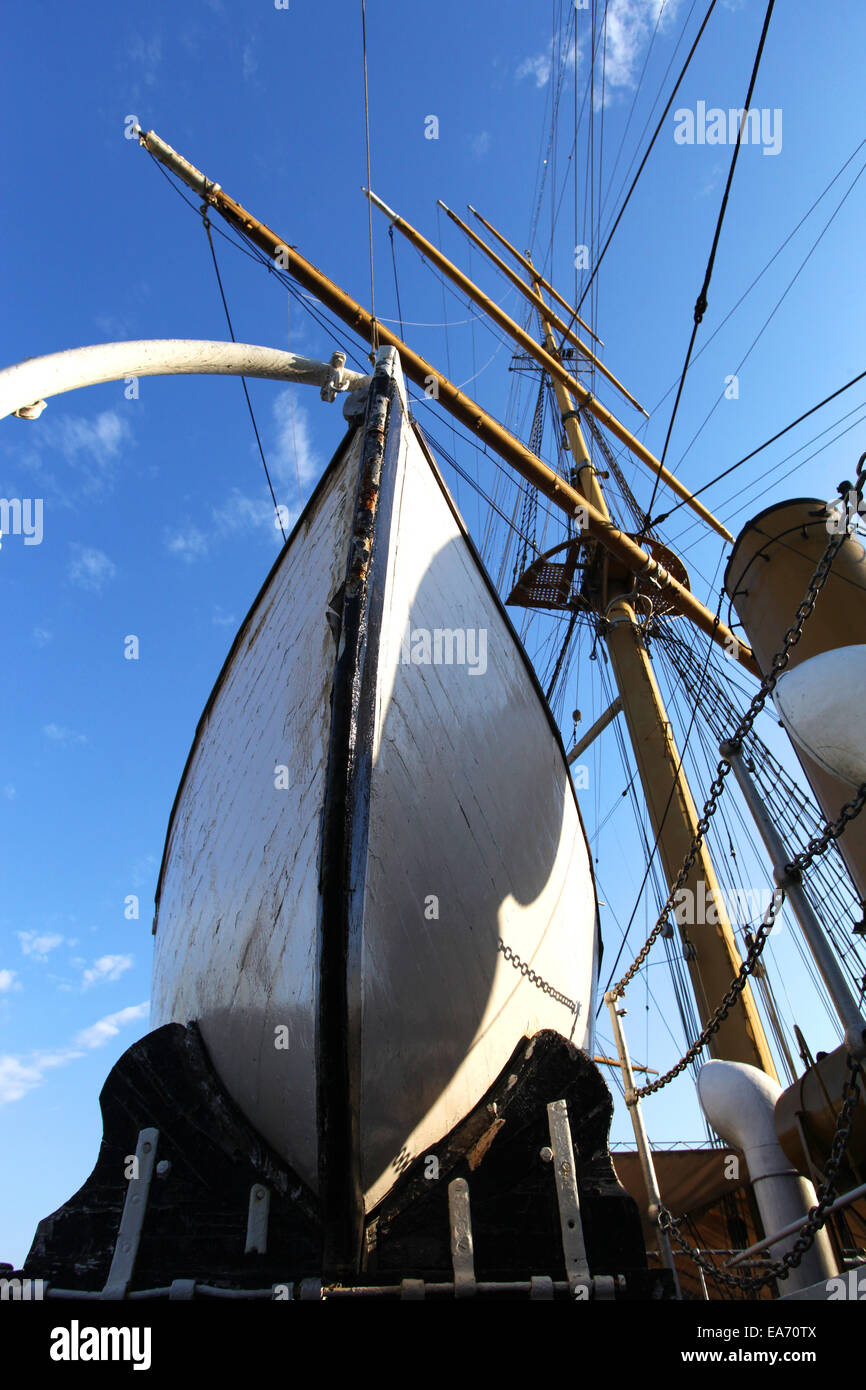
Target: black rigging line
[(767, 442), (661, 88), (773, 312), (656, 132), (467, 477), (206, 224), (396, 282), (701, 302), (761, 273), (561, 657), (637, 91)]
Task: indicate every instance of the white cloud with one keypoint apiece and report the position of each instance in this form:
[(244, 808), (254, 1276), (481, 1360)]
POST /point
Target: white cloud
[(537, 67), (90, 568), (41, 636), (58, 734), (293, 461), (144, 870), (250, 66), (220, 618), (18, 1075), (110, 1026), (32, 944), (9, 791), (8, 981), (630, 26), (91, 447), (188, 544), (148, 54), (294, 456), (24, 1073), (102, 437), (106, 968), (241, 512), (481, 143)]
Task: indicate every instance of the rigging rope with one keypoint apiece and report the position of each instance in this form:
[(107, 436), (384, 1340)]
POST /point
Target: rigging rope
[(701, 302), (396, 282), (656, 132), (374, 332), (761, 273), (206, 225), (663, 516)]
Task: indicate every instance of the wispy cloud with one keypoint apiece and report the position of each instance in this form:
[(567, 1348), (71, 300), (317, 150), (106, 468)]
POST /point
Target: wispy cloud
[(240, 512), (90, 568), (110, 1026), (24, 1072), (91, 447), (9, 791), (481, 144), (293, 463), (39, 945), (71, 458), (58, 734), (630, 26), (144, 870), (107, 968), (538, 67), (146, 55), (8, 981), (40, 636), (294, 456), (220, 618), (249, 66), (188, 544)]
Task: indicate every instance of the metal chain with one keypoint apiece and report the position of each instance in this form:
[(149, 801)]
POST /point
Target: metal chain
[(817, 1217), (779, 662), (536, 979), (816, 847)]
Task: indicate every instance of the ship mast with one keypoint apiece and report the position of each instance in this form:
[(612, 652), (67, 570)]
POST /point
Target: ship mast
[(710, 951), (713, 959)]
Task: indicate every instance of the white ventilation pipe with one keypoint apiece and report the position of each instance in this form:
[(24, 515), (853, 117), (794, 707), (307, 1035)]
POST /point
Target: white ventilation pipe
[(739, 1100)]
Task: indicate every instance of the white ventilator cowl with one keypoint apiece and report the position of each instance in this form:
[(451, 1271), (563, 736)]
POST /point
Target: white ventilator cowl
[(821, 704)]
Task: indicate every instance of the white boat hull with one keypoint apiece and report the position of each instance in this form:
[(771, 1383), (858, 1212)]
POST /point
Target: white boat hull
[(371, 848)]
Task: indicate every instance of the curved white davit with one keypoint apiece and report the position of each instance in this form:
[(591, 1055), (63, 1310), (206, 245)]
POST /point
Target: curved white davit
[(23, 388)]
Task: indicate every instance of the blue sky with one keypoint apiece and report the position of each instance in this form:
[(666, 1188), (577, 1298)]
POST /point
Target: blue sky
[(157, 521)]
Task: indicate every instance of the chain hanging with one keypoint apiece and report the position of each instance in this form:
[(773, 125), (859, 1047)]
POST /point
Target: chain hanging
[(768, 684)]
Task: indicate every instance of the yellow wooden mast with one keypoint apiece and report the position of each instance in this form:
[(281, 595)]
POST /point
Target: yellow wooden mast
[(710, 949)]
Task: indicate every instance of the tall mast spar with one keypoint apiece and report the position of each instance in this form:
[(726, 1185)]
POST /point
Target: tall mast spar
[(710, 950)]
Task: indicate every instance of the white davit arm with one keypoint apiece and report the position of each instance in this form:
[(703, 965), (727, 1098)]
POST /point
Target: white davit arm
[(24, 387)]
